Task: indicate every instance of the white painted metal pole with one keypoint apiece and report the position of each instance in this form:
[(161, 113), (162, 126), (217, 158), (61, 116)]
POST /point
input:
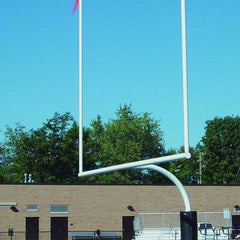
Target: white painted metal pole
[(178, 184), (184, 73), (134, 164), (80, 90)]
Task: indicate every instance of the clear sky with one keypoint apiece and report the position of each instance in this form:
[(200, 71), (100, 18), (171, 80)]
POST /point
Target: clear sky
[(131, 54)]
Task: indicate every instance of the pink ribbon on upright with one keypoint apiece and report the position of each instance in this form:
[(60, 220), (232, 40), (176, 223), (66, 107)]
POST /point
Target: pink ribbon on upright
[(75, 6)]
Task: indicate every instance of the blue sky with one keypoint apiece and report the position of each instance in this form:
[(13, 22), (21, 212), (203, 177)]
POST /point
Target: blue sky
[(131, 54)]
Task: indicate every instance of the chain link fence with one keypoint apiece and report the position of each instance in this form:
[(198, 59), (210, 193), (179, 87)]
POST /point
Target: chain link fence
[(166, 220)]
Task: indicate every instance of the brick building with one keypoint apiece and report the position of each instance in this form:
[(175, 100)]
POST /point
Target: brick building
[(107, 207)]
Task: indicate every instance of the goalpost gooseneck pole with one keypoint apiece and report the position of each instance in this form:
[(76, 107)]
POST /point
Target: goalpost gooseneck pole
[(184, 75), (80, 89), (175, 180)]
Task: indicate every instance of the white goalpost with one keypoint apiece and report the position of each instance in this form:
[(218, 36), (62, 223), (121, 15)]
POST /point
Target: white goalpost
[(188, 218), (80, 106), (145, 162)]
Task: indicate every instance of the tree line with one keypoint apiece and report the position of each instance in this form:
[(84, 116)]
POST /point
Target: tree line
[(50, 153)]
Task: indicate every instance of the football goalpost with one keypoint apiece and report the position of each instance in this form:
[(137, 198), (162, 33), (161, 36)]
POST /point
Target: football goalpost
[(145, 162), (188, 218)]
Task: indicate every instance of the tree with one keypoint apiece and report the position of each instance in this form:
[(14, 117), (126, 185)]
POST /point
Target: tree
[(220, 148), (49, 153), (4, 161), (128, 138), (91, 144), (187, 170)]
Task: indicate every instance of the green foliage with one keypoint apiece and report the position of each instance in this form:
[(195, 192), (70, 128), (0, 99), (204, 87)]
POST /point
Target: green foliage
[(50, 153), (128, 138), (221, 150), (187, 170)]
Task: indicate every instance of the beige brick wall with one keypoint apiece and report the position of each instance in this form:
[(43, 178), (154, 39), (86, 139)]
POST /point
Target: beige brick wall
[(93, 206)]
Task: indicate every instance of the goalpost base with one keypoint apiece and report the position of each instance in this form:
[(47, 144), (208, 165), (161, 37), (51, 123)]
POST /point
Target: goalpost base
[(188, 222)]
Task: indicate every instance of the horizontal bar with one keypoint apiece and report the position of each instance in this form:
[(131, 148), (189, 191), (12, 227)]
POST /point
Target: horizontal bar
[(135, 164)]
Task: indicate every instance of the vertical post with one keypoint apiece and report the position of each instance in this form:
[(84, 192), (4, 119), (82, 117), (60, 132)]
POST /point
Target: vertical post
[(200, 168), (184, 73), (142, 220), (80, 90), (188, 221), (25, 177)]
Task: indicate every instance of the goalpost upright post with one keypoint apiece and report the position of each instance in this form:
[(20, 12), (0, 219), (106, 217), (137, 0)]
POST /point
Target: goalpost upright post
[(80, 94), (184, 75)]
